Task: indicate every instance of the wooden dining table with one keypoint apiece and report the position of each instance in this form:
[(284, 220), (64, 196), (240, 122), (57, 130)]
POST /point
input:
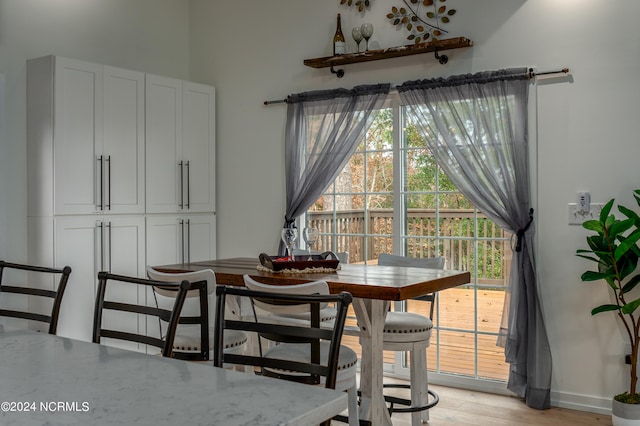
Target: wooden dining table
[(57, 381), (373, 287)]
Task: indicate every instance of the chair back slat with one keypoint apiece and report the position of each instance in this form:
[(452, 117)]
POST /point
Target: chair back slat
[(51, 318), (207, 284), (309, 333), (103, 303)]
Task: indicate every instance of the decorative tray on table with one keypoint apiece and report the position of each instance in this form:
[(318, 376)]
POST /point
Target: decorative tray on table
[(326, 261)]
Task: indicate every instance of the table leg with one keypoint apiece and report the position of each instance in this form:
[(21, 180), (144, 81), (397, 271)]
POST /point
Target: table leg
[(371, 314)]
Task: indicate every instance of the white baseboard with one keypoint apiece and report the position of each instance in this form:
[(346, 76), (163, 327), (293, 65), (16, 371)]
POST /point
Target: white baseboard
[(558, 399), (581, 402)]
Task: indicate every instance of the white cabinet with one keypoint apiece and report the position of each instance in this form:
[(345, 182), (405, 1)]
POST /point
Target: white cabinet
[(123, 141), (91, 244), (198, 146), (180, 146), (108, 149), (177, 239), (86, 121)]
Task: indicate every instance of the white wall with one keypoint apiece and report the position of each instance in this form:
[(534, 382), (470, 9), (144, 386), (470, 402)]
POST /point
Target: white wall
[(586, 125), (252, 50), (145, 35)]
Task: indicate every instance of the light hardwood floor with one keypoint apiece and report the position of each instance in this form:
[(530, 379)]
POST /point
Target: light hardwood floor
[(459, 407)]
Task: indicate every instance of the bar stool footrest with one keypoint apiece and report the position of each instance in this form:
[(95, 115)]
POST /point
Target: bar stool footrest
[(393, 400), (344, 419)]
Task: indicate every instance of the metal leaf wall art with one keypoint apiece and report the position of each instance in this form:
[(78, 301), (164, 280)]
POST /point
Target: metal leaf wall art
[(423, 19), (359, 4)]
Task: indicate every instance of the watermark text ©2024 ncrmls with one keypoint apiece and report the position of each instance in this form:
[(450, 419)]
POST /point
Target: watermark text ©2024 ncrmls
[(45, 406)]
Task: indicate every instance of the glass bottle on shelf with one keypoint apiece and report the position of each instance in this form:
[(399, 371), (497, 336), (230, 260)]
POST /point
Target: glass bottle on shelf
[(339, 44)]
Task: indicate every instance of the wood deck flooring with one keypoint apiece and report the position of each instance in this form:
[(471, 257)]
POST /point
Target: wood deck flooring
[(455, 338)]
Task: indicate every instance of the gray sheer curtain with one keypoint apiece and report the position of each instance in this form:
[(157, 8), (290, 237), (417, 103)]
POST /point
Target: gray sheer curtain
[(476, 127), (323, 129)]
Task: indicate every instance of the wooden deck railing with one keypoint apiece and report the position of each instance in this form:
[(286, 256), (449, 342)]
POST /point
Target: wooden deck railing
[(450, 234), (457, 236)]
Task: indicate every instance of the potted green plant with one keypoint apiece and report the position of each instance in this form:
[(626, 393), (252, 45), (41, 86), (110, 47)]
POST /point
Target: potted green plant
[(615, 251)]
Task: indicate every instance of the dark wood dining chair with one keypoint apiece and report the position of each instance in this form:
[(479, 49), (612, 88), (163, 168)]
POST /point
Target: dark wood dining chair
[(305, 352), (45, 277), (109, 299)]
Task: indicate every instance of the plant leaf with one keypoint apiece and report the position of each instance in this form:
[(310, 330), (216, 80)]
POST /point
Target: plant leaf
[(595, 276), (630, 307), (630, 214), (611, 219), (605, 211), (588, 257), (626, 244), (451, 12), (444, 19), (390, 15), (631, 284), (598, 243), (431, 15), (442, 9), (604, 308), (620, 227), (593, 225)]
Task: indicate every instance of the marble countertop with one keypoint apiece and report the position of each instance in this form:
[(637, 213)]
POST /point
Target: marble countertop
[(51, 380)]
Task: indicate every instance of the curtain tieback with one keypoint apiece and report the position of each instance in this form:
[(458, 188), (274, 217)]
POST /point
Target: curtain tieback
[(288, 223), (520, 233)]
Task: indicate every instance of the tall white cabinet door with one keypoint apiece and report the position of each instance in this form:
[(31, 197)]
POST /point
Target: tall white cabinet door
[(124, 253), (164, 239), (164, 167), (78, 244), (123, 140), (77, 135), (201, 234), (198, 146), (89, 244), (180, 238)]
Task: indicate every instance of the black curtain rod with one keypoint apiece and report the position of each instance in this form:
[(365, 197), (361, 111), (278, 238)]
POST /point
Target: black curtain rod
[(532, 74)]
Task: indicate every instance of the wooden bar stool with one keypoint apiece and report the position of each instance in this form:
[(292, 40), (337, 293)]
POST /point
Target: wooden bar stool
[(410, 332)]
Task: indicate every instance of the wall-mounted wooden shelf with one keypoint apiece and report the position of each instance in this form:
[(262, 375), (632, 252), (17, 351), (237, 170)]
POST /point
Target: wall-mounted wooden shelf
[(392, 52)]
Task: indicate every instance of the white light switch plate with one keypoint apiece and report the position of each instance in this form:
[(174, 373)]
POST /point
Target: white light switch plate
[(576, 218)]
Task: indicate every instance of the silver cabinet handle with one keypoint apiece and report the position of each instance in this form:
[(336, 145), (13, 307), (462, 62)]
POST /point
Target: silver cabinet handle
[(188, 185), (188, 239), (108, 206), (100, 225), (181, 164), (109, 240), (181, 221), (101, 184)]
